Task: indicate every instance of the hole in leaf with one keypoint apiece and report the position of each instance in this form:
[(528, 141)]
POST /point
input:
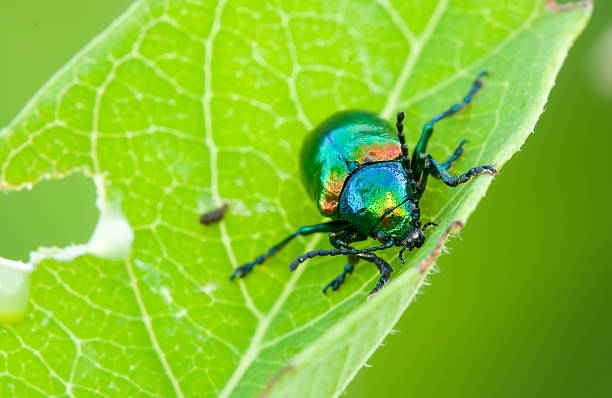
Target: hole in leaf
[(53, 213)]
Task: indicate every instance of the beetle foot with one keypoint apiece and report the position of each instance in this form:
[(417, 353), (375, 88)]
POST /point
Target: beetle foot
[(242, 271), (490, 169), (382, 282), (336, 283)]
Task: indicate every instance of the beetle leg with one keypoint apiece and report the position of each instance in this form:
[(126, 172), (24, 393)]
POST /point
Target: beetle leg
[(383, 267), (336, 252), (342, 240), (453, 158), (431, 166), (385, 271), (429, 126), (423, 166), (339, 280), (333, 226)]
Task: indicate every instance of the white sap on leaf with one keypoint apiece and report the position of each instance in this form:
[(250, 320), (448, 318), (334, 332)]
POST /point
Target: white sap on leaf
[(113, 237), (14, 290)]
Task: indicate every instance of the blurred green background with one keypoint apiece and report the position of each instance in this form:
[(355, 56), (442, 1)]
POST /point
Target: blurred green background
[(522, 307)]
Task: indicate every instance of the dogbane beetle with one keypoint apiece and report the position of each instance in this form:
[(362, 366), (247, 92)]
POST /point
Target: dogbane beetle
[(359, 172)]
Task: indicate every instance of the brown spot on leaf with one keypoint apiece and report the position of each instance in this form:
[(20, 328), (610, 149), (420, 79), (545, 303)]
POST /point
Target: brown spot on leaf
[(435, 253), (287, 369), (553, 6), (214, 215)]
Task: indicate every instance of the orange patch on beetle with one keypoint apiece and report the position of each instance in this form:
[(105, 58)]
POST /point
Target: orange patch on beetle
[(378, 152), (328, 202)]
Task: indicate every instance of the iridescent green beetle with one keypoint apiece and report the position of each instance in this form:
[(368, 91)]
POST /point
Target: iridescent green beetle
[(358, 171)]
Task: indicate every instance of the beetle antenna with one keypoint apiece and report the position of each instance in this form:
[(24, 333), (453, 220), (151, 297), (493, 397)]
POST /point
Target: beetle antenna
[(390, 209), (402, 139)]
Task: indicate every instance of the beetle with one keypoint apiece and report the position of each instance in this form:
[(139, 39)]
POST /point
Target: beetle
[(359, 172)]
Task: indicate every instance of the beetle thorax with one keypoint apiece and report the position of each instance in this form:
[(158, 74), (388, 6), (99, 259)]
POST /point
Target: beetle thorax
[(379, 201)]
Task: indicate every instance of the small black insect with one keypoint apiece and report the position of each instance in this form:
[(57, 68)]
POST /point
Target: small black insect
[(214, 215)]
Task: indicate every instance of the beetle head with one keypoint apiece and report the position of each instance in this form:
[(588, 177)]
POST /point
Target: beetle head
[(415, 239)]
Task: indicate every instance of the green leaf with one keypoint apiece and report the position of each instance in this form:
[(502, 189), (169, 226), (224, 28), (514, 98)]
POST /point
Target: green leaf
[(179, 107)]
